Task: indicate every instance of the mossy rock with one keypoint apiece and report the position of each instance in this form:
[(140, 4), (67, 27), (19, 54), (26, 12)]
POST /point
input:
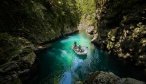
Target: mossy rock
[(11, 47)]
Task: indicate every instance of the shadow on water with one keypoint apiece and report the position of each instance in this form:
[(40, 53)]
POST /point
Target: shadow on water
[(82, 57), (59, 63), (101, 61), (51, 64)]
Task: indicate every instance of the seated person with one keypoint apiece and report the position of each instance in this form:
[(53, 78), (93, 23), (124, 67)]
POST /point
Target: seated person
[(80, 49), (75, 45)]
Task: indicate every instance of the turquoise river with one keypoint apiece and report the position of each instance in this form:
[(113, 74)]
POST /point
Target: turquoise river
[(60, 65)]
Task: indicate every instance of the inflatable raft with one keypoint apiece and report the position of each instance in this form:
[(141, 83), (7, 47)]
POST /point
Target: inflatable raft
[(82, 51)]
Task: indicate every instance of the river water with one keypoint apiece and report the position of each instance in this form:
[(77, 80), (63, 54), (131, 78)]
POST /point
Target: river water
[(60, 65)]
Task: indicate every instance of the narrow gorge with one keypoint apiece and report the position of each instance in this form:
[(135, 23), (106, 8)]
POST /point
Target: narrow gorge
[(37, 38)]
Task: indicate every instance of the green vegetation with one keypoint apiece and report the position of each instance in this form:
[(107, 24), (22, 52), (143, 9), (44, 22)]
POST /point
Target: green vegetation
[(42, 20), (38, 20), (86, 6), (87, 9)]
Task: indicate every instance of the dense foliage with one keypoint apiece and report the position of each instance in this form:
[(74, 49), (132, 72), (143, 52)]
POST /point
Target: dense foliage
[(87, 9), (38, 20)]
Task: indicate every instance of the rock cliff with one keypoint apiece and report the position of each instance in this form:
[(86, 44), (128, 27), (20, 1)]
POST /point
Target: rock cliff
[(122, 29), (16, 58)]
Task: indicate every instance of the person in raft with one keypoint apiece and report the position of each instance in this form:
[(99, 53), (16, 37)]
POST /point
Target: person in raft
[(75, 45), (80, 49)]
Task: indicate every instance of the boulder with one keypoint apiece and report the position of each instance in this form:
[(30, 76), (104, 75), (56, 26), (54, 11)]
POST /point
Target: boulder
[(16, 58), (131, 81), (90, 30), (100, 77)]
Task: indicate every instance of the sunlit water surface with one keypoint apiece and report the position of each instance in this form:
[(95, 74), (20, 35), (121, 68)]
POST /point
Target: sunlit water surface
[(59, 63)]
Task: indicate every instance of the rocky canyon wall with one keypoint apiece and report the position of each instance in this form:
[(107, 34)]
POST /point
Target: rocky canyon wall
[(122, 29)]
